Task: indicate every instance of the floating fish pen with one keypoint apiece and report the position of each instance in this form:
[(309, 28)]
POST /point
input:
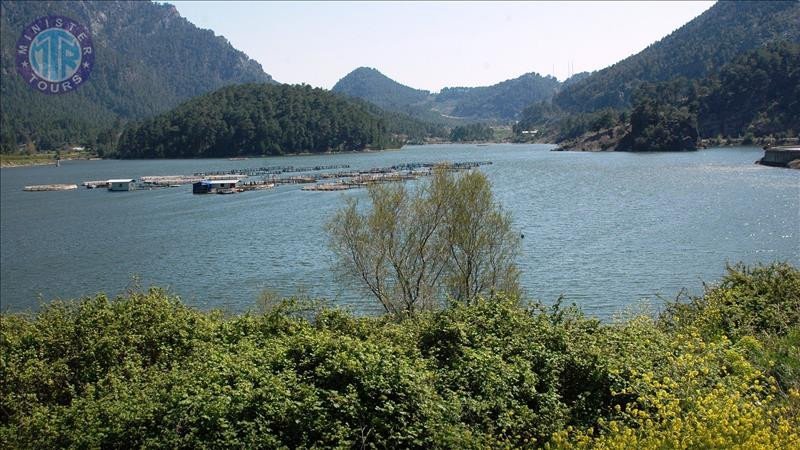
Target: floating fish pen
[(95, 184), (341, 178), (270, 170), (50, 187), (396, 173), (295, 180), (329, 187), (171, 180), (256, 185), (348, 174)]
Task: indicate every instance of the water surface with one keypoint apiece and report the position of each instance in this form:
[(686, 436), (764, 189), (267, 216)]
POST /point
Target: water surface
[(604, 229)]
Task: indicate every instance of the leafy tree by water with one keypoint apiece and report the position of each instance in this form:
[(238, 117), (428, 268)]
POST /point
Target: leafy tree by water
[(412, 249)]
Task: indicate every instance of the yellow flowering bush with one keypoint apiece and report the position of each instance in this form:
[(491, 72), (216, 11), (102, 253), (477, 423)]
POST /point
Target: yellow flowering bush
[(704, 374), (706, 395)]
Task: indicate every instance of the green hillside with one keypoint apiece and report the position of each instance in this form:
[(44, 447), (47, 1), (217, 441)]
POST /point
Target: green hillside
[(500, 102), (262, 119), (695, 50), (148, 60), (371, 85), (503, 101)]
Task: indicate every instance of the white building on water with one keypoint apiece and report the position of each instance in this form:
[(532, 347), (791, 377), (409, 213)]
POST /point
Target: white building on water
[(122, 185)]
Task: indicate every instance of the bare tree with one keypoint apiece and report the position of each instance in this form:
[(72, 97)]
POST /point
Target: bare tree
[(411, 249)]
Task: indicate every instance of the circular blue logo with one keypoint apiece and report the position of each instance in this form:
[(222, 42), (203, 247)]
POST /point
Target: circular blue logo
[(55, 54)]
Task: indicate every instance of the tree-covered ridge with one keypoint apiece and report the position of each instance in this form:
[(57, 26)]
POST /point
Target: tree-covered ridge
[(404, 126), (143, 370), (500, 102), (472, 132), (262, 119), (756, 95), (695, 50), (371, 85), (149, 59)]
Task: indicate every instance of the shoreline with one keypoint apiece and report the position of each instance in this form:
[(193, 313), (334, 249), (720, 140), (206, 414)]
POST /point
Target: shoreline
[(14, 164), (8, 164)]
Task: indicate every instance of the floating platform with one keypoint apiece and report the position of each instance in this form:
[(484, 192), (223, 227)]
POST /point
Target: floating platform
[(50, 187), (95, 184), (329, 187), (256, 186)]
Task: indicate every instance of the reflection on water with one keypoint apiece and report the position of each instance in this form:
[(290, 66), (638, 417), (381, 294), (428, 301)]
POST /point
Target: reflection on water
[(605, 230)]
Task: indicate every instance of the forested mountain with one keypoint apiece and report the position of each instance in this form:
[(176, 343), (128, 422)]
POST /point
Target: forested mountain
[(148, 60), (502, 101), (471, 133), (698, 48), (757, 95), (261, 119), (371, 85)]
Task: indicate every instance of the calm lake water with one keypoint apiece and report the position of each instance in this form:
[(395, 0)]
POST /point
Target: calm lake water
[(605, 230)]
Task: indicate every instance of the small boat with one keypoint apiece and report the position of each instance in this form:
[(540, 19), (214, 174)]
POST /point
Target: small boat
[(237, 159)]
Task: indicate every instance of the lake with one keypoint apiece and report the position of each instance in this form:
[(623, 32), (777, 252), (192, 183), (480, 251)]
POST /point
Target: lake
[(605, 230)]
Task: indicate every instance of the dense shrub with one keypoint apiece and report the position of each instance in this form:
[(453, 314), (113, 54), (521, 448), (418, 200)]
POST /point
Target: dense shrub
[(143, 370), (756, 300)]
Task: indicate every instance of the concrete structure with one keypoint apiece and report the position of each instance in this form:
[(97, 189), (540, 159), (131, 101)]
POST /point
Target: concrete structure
[(122, 185), (780, 156)]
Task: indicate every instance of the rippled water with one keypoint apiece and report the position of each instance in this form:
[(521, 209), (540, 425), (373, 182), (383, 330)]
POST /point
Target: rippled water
[(605, 230)]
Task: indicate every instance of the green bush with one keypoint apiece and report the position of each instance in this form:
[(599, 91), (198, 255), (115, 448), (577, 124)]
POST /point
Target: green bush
[(143, 370), (748, 301)]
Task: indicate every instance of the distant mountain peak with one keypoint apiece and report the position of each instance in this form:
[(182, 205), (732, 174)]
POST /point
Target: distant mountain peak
[(501, 101), (370, 84)]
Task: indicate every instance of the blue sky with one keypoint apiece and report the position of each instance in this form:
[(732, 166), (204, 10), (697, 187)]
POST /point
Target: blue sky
[(431, 45)]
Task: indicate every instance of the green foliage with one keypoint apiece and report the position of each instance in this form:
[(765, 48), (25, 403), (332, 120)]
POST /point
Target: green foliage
[(369, 84), (702, 46), (537, 116), (757, 94), (472, 132), (257, 119), (502, 101), (747, 301), (761, 302), (660, 122), (143, 370), (149, 59), (753, 96), (404, 126), (412, 249)]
